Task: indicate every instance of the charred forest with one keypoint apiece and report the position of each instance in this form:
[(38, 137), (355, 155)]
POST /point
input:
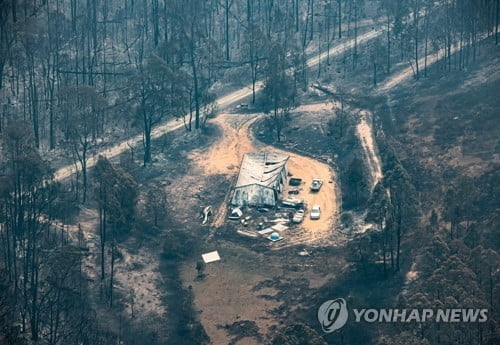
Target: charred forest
[(123, 126)]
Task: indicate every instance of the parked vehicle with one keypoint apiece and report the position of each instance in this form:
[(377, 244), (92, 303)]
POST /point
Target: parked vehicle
[(292, 202), (316, 184), (294, 191), (242, 106), (315, 212), (298, 217), (295, 181)]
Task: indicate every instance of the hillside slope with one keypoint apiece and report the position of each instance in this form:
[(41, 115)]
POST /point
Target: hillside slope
[(445, 133)]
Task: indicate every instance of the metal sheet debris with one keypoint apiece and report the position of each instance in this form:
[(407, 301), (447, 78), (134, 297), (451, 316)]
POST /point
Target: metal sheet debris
[(265, 231), (247, 233), (279, 227)]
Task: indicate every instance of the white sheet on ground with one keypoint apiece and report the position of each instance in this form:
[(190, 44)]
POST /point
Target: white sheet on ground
[(211, 257)]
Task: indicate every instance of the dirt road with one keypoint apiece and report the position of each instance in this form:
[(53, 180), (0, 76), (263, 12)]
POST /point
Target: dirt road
[(224, 157), (222, 103), (365, 134), (407, 73)]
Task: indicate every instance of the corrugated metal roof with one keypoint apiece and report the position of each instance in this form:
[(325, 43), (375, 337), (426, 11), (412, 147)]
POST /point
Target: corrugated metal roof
[(261, 168)]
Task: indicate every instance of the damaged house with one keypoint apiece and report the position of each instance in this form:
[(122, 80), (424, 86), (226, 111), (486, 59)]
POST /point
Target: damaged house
[(262, 176)]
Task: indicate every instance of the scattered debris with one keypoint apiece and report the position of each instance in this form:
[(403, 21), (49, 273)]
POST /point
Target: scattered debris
[(247, 233), (279, 220), (265, 231), (235, 214), (279, 227), (292, 202)]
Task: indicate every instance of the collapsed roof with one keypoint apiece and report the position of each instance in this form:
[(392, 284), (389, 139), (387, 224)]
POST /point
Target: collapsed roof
[(262, 175), (261, 168)]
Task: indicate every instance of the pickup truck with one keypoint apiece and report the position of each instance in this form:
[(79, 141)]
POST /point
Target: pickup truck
[(316, 184)]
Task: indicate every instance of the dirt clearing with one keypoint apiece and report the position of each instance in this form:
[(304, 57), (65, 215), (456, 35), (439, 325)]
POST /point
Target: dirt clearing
[(224, 157), (221, 305), (259, 290)]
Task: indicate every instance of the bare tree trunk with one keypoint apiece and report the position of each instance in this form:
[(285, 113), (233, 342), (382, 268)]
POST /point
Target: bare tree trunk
[(156, 22), (355, 54), (497, 20), (398, 239), (147, 143), (82, 158), (112, 272), (297, 15), (195, 87), (388, 44), (227, 8), (416, 17), (426, 42), (277, 124), (339, 2), (312, 20), (385, 240), (84, 174), (102, 231)]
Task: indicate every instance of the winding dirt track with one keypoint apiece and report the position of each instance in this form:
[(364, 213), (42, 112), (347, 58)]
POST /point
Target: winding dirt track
[(224, 157), (364, 131)]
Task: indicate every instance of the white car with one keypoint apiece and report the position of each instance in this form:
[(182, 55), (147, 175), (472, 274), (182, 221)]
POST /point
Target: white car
[(315, 212), (298, 217)]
